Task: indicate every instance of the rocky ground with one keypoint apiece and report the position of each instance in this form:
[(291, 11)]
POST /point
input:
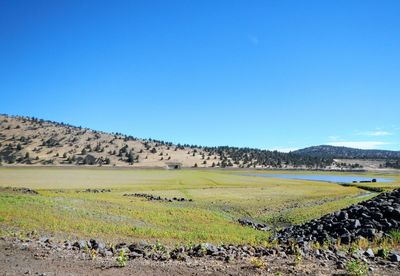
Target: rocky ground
[(354, 240), (371, 219), (42, 257)]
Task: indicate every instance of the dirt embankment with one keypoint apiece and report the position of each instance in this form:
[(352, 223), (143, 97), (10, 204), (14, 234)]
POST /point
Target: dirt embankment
[(22, 258)]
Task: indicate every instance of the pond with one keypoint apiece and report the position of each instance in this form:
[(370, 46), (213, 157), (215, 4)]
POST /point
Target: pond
[(325, 178)]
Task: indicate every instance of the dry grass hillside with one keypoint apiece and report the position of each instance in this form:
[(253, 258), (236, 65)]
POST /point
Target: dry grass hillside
[(37, 142), (33, 142)]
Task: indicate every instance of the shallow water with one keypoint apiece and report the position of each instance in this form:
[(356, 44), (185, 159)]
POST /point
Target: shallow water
[(325, 178)]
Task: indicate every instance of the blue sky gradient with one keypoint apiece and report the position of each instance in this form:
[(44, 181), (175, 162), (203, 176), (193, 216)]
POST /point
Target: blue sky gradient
[(266, 74)]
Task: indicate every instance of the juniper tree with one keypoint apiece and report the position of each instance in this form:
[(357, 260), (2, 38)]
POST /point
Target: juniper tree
[(131, 157), (97, 148), (12, 159)]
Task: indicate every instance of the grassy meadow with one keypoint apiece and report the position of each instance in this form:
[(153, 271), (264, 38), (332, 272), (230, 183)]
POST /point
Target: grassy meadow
[(220, 197)]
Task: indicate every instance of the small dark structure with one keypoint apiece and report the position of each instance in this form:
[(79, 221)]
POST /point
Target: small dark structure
[(366, 181), (173, 165)]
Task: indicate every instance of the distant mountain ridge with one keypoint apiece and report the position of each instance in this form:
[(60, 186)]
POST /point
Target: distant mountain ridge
[(328, 151)]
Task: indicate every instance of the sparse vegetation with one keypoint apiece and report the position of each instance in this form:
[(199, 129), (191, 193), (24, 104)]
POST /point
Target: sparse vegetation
[(122, 258), (357, 268), (257, 262), (395, 236)]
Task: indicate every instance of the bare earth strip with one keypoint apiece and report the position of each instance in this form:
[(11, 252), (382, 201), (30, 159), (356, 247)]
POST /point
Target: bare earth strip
[(28, 259)]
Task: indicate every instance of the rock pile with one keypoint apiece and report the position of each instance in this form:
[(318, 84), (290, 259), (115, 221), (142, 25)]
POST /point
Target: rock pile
[(97, 191), (158, 198), (227, 253), (24, 191), (162, 253), (258, 226), (370, 219)]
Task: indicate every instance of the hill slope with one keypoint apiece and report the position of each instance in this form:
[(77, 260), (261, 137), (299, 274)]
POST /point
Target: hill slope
[(32, 141), (344, 152)]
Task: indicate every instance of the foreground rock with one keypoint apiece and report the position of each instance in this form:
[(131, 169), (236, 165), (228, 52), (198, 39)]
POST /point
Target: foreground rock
[(30, 259), (291, 250), (371, 219), (246, 259)]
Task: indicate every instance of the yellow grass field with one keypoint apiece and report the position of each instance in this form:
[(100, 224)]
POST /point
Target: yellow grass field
[(219, 197)]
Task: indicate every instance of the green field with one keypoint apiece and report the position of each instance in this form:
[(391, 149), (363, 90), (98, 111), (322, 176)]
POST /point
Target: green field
[(220, 197)]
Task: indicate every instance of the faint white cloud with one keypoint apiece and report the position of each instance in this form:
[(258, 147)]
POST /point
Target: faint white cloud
[(359, 144), (375, 133), (254, 40), (333, 138)]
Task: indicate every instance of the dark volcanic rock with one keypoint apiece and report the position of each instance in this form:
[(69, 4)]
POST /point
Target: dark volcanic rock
[(370, 219), (95, 191), (258, 226), (82, 244), (25, 191), (394, 258), (159, 198)]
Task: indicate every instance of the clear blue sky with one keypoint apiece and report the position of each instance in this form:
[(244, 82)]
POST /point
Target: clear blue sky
[(266, 74)]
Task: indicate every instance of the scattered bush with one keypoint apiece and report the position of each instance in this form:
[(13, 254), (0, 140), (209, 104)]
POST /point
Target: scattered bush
[(257, 262), (357, 268), (122, 258)]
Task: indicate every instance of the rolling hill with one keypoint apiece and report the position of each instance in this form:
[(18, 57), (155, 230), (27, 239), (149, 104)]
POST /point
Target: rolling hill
[(31, 141)]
